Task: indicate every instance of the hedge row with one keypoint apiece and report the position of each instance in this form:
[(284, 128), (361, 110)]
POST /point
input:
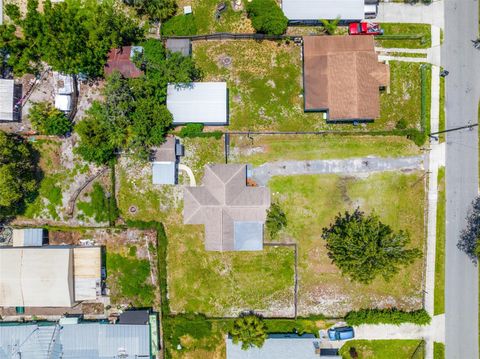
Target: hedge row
[(387, 316)]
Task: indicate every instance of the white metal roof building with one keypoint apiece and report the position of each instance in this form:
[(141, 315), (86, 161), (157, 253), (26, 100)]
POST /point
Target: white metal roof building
[(36, 277), (69, 341), (49, 276), (6, 99), (198, 102), (315, 10), (27, 237)]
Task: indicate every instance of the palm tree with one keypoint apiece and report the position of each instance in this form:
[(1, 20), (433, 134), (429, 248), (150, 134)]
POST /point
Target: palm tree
[(250, 330), (330, 26)]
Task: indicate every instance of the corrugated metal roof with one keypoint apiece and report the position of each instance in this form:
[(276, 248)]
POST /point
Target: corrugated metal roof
[(163, 173), (198, 102), (278, 348), (179, 45), (74, 341), (6, 99), (28, 237), (248, 236), (323, 9)]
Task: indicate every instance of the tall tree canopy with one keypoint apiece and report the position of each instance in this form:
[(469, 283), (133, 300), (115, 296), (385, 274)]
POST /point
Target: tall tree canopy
[(470, 236), (363, 247), (155, 10), (17, 175), (250, 330), (134, 116), (75, 36)]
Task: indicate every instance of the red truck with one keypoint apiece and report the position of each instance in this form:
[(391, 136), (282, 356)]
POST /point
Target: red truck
[(364, 28)]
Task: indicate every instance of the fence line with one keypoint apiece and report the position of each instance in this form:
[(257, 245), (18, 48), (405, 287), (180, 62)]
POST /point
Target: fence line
[(232, 36)]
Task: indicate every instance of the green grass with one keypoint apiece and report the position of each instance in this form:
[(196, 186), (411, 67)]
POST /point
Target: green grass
[(439, 296), (311, 203), (402, 107), (381, 349), (438, 350), (441, 124), (264, 82), (424, 40), (224, 284), (128, 280), (276, 148), (98, 205)]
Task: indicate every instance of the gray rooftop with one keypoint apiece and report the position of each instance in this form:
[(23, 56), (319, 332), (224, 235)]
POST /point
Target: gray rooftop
[(164, 172), (6, 99), (86, 341), (227, 207), (182, 46), (198, 102), (279, 347), (323, 9)]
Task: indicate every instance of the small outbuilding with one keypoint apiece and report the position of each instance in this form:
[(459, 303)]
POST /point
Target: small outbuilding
[(7, 99), (165, 162), (27, 237), (198, 102), (182, 46)]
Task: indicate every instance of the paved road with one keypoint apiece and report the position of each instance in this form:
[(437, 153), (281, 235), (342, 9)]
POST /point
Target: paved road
[(462, 95), (263, 173)]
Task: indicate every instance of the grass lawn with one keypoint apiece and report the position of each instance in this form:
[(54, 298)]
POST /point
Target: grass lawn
[(264, 81), (438, 350), (402, 107), (382, 349), (312, 201), (269, 148), (441, 125), (224, 284), (439, 296), (424, 41)]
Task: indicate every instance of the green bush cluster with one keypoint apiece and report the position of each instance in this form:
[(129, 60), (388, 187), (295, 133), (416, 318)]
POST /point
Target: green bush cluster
[(192, 130), (276, 220), (180, 25), (48, 120), (98, 207), (387, 316), (267, 17)]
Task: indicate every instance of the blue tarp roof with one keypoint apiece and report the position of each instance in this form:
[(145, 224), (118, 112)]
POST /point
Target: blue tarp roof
[(164, 173), (248, 236)]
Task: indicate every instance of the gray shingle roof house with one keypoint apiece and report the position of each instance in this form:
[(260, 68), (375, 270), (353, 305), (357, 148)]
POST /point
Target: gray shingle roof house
[(86, 341), (232, 212), (280, 346), (198, 102)]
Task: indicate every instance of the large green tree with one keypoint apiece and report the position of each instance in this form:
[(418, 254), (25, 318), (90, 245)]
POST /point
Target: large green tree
[(364, 248), (155, 10), (250, 330), (18, 168), (75, 36), (16, 55)]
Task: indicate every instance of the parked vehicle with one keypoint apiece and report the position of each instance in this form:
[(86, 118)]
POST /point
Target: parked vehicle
[(364, 28), (341, 333)]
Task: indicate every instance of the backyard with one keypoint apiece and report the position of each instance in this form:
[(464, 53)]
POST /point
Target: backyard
[(312, 201)]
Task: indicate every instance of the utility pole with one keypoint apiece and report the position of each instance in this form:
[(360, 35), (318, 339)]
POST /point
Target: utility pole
[(432, 135)]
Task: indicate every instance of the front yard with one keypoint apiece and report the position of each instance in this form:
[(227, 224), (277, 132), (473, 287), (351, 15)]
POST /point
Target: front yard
[(384, 349), (312, 201)]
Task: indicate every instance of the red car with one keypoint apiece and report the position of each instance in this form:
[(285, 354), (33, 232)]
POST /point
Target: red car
[(364, 28)]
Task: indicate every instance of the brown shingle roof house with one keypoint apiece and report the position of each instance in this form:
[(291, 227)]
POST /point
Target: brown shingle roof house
[(232, 212), (121, 60), (342, 75)]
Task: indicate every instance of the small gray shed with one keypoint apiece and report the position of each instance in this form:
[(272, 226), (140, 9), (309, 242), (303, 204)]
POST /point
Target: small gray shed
[(182, 46)]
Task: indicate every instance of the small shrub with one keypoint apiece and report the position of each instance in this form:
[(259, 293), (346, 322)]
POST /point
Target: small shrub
[(267, 17), (276, 220), (180, 25), (401, 124), (132, 251), (250, 330), (387, 316), (353, 353), (192, 130)]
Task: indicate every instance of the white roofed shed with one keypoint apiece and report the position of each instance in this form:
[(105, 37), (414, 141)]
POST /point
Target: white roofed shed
[(198, 102)]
